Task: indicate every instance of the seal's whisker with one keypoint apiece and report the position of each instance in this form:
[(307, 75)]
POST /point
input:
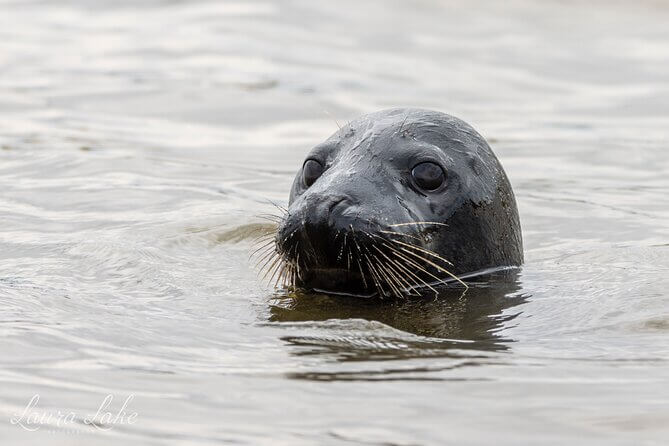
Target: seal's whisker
[(403, 235), (375, 276), (267, 259), (370, 266), (377, 270), (395, 265), (272, 267), (286, 277), (297, 262), (256, 227), (382, 269), (341, 249), (389, 280), (281, 271), (269, 262), (266, 232), (279, 207), (348, 260), (415, 265), (384, 266), (263, 236), (359, 251), (404, 286), (440, 268), (276, 269), (262, 230), (262, 240), (374, 273), (293, 277), (262, 243), (269, 214), (269, 254), (416, 279), (423, 250), (416, 223), (362, 274), (268, 244), (287, 271), (332, 117), (264, 256), (296, 256), (280, 276), (272, 220), (401, 284), (270, 217)]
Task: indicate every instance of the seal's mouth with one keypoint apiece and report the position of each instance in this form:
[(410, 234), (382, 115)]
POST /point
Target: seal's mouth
[(338, 281)]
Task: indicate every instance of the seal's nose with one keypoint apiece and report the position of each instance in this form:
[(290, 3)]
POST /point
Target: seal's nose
[(340, 207), (332, 213), (336, 201), (322, 213), (322, 224)]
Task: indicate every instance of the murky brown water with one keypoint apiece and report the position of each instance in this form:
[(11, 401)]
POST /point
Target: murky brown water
[(140, 138)]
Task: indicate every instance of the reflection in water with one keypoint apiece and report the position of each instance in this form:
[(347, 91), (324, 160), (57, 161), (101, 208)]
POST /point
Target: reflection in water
[(462, 327)]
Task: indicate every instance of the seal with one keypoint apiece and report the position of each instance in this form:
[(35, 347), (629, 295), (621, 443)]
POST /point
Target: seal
[(396, 203)]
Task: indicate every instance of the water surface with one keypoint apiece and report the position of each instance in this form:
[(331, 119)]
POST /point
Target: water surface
[(139, 140)]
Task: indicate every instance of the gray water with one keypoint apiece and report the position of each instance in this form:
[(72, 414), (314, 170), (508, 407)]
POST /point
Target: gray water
[(140, 140)]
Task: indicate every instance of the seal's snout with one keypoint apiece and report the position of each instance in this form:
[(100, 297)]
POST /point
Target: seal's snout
[(327, 241), (318, 226)]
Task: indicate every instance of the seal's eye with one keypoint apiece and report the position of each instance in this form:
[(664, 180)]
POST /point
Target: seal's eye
[(428, 176), (311, 170)]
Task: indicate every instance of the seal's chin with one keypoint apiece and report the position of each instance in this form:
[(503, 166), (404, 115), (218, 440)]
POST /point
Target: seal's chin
[(338, 281)]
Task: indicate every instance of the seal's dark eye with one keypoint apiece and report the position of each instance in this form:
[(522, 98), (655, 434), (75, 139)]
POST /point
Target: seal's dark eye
[(311, 170), (428, 176)]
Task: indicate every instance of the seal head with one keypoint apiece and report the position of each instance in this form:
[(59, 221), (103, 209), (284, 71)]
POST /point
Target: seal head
[(396, 202)]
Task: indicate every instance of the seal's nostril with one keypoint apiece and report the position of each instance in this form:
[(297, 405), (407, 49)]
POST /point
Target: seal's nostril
[(336, 202)]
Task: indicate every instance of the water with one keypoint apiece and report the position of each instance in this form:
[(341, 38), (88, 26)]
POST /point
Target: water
[(139, 140)]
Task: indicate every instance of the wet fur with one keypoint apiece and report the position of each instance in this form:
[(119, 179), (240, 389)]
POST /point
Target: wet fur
[(363, 228)]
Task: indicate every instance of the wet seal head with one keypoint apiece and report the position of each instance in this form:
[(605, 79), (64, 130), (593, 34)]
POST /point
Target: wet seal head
[(396, 203)]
